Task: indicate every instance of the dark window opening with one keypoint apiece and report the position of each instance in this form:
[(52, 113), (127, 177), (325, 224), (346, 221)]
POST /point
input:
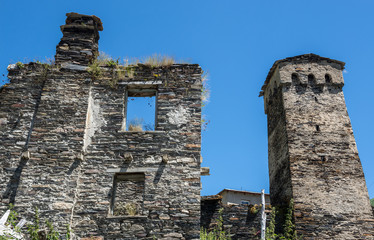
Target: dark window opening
[(140, 110), (317, 128), (295, 78), (311, 79), (315, 99), (327, 78), (128, 194), (323, 158)]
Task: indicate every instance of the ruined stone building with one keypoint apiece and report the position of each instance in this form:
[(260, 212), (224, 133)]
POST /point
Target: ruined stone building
[(65, 147), (313, 156)]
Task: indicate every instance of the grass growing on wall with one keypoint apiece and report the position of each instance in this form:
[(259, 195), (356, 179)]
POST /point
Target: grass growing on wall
[(217, 233), (35, 229), (289, 230)]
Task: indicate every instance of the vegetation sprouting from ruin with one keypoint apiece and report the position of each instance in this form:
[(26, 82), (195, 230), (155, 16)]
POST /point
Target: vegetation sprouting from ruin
[(158, 60), (127, 69), (218, 233), (289, 230), (35, 230)]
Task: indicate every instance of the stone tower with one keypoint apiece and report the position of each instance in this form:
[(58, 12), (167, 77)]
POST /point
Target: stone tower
[(313, 156), (65, 148)]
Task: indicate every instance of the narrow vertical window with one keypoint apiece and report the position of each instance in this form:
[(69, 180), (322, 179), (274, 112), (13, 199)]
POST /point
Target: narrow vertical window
[(311, 79), (327, 78), (295, 78)]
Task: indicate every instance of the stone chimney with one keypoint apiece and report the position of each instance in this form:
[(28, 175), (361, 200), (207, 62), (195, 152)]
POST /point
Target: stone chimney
[(79, 43)]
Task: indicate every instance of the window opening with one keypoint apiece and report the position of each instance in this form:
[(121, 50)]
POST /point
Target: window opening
[(140, 111), (327, 78), (317, 128), (128, 194), (311, 79), (295, 78)]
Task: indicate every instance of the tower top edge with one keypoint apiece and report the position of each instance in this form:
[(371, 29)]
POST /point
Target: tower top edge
[(304, 58)]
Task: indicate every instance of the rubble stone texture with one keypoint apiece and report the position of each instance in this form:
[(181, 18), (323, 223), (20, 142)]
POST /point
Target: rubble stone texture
[(242, 222), (313, 156), (63, 148)]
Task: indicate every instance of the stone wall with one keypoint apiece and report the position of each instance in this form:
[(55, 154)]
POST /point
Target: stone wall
[(313, 156), (64, 148), (238, 220), (19, 102)]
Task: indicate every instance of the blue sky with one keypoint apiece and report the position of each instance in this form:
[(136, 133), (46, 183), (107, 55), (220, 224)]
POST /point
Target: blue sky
[(237, 42)]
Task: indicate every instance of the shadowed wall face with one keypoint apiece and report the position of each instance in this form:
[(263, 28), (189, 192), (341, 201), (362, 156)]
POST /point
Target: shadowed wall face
[(313, 156)]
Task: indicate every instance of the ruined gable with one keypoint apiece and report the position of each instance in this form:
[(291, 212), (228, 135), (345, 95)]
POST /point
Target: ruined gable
[(65, 149)]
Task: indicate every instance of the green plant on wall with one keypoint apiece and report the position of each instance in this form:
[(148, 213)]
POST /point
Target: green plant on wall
[(112, 63), (217, 233), (94, 69), (34, 231), (253, 209), (289, 230), (372, 202), (20, 65), (270, 230)]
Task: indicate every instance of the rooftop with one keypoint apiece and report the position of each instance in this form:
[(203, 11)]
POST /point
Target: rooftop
[(240, 191)]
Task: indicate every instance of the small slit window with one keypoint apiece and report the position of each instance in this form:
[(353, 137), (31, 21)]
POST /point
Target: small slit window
[(295, 78), (128, 194), (311, 79), (327, 78), (140, 110)]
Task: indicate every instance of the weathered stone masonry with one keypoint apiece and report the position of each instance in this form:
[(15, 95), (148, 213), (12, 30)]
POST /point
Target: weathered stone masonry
[(64, 147), (238, 220), (313, 156), (64, 150)]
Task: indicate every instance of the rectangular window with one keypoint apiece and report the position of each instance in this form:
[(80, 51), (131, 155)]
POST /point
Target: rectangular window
[(244, 202), (140, 110), (128, 194)]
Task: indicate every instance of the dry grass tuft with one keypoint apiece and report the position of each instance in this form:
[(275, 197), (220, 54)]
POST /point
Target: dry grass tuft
[(131, 209), (135, 128), (157, 60)]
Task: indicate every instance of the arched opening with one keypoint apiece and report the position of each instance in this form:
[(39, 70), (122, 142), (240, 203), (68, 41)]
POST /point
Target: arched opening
[(328, 78), (311, 79)]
